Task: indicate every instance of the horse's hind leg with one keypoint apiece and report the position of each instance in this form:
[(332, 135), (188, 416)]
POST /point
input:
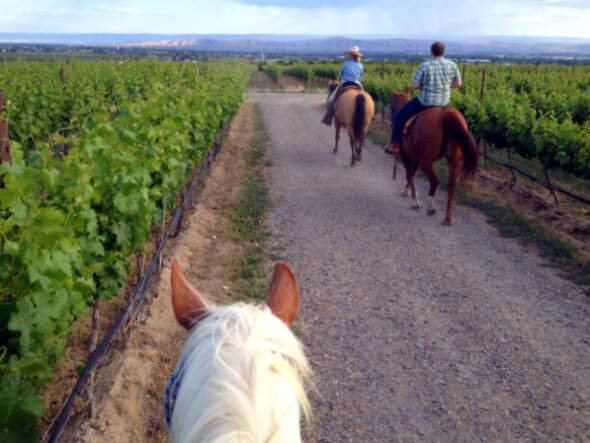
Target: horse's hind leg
[(453, 177), (337, 137), (359, 149), (433, 179), (352, 148), (411, 175), (407, 191)]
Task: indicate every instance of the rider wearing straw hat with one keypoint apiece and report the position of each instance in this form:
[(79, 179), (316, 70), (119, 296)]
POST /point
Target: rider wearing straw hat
[(351, 73)]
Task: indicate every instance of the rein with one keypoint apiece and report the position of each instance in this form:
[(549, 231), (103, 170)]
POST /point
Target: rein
[(172, 391)]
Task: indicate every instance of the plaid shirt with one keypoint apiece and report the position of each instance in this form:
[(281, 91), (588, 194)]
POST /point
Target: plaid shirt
[(435, 77)]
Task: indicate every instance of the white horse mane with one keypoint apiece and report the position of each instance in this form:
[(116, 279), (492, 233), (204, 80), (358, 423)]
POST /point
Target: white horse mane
[(243, 379)]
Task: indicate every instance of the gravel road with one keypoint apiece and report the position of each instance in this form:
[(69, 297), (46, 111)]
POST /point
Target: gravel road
[(417, 331)]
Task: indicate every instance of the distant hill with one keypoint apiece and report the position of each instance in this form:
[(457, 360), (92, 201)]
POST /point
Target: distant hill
[(337, 45), (300, 44)]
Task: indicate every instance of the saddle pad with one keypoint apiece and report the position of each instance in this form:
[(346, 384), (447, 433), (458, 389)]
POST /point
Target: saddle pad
[(409, 124)]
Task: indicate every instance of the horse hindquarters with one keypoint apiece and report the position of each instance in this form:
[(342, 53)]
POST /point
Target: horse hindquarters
[(461, 150), (456, 130)]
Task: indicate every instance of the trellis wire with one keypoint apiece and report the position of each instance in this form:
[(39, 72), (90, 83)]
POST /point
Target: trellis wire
[(539, 181)]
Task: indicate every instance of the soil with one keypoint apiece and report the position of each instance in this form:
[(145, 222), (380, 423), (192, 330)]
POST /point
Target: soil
[(130, 388), (417, 331)]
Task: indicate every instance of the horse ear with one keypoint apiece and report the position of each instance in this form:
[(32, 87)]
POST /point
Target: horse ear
[(284, 298), (394, 92), (189, 305), (407, 91)]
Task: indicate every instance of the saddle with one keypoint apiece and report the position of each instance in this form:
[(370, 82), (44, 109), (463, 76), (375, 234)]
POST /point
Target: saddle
[(350, 85), (345, 87), (410, 123), (412, 120)]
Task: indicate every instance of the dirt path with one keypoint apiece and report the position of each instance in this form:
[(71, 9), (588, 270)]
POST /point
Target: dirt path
[(418, 331)]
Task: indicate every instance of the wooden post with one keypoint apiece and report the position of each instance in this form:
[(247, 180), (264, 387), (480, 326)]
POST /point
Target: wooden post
[(483, 143), (68, 62), (484, 80), (382, 70), (63, 74), (5, 155), (537, 66), (510, 163), (548, 177)]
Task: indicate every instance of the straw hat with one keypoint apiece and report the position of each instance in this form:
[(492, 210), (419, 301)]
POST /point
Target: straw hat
[(354, 51)]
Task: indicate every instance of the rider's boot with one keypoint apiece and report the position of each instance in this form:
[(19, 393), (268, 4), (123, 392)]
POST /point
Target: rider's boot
[(327, 120), (392, 149)]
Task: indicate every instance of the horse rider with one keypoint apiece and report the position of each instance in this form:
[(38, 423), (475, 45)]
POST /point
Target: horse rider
[(350, 75), (434, 78)]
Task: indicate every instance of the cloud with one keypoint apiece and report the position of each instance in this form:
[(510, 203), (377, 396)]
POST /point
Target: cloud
[(68, 12), (424, 18), (300, 4)]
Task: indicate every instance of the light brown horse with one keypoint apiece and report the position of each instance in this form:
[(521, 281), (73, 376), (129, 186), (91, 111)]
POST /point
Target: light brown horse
[(435, 133), (355, 110)]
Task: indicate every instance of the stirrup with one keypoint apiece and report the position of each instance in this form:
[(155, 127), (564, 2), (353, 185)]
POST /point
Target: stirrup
[(392, 149)]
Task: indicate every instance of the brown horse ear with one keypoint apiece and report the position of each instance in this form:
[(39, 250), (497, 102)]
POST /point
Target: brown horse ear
[(284, 298), (189, 305), (394, 93)]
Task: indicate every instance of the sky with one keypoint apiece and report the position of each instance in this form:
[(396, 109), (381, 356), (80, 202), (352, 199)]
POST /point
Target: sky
[(395, 18)]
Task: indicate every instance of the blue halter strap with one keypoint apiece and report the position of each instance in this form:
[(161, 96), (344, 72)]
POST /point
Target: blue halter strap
[(172, 391)]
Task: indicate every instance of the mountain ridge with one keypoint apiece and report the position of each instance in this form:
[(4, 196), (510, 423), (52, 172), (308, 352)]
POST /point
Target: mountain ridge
[(305, 44)]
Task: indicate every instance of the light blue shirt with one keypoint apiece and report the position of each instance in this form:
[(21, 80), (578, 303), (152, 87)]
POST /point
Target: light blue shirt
[(352, 71)]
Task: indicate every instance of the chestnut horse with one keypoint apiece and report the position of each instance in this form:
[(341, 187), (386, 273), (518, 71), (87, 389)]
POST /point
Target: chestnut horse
[(435, 133), (355, 110)]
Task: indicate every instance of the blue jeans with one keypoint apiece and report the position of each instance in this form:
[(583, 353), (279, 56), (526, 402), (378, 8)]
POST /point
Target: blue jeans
[(400, 118)]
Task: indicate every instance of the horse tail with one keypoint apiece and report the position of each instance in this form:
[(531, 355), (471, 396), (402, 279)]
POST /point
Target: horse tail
[(359, 117), (455, 128)]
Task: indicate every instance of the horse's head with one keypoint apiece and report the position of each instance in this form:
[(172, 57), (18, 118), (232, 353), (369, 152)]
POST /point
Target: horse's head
[(241, 373), (399, 99)]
